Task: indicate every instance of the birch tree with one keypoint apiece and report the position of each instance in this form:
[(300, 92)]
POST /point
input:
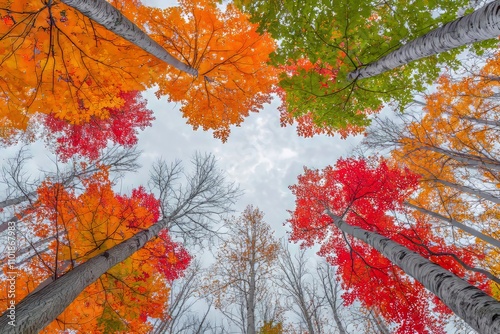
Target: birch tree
[(204, 194), (345, 210), (480, 25)]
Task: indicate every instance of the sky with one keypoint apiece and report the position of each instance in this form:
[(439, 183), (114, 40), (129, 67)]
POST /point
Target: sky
[(260, 156)]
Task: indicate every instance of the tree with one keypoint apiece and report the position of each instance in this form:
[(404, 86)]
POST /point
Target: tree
[(338, 37), (201, 198), (295, 280), (244, 264), (84, 224), (480, 25), (74, 65), (222, 45), (230, 56), (349, 203), (108, 16)]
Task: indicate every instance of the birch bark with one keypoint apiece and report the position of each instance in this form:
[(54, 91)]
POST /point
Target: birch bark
[(474, 306), (109, 17), (480, 25)]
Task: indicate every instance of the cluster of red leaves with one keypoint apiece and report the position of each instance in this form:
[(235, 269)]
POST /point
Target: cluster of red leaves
[(88, 139), (362, 192), (175, 260)]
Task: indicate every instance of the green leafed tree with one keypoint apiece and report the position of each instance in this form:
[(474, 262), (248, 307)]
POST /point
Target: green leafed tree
[(321, 42)]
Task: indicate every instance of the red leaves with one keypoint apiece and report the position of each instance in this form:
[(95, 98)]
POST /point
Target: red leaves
[(362, 192), (87, 139), (174, 260)]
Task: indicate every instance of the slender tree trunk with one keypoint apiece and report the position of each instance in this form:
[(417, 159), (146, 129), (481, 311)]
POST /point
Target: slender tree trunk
[(481, 25), (467, 159), (109, 17), (251, 284), (473, 305), (17, 200), (469, 190), (380, 323), (39, 309), (492, 241), (331, 291), (251, 303), (482, 121)]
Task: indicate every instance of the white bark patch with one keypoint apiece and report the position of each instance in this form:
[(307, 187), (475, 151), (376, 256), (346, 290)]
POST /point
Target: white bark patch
[(109, 17), (481, 25)]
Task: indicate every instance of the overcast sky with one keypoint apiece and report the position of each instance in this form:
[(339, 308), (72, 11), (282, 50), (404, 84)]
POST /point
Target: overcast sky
[(262, 157)]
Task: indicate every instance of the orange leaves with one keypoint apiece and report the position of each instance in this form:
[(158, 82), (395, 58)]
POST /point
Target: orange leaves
[(54, 60), (230, 56), (85, 222)]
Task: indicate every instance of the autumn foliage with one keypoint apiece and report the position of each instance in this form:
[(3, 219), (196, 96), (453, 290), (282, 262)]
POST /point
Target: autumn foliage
[(230, 56), (56, 61), (85, 224), (363, 192), (89, 138)]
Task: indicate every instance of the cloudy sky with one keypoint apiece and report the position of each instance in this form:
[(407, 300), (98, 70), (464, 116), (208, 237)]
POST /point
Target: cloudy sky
[(262, 157)]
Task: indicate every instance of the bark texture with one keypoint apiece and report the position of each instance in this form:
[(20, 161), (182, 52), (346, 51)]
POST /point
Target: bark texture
[(480, 25), (469, 190), (109, 17), (492, 241), (469, 160), (41, 307), (474, 306)]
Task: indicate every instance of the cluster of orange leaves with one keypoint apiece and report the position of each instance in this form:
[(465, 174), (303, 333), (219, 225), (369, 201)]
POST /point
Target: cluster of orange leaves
[(86, 224), (231, 58), (56, 61)]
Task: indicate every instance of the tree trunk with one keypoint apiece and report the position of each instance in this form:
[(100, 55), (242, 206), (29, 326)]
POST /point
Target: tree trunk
[(39, 309), (379, 322), (482, 121), (492, 241), (467, 159), (481, 25), (251, 282), (469, 190), (331, 291), (473, 305), (109, 17), (17, 200)]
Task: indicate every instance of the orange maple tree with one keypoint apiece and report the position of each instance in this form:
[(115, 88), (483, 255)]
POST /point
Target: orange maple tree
[(84, 224), (230, 56), (55, 60)]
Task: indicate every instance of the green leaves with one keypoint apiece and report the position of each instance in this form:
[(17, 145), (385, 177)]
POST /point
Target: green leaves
[(343, 35)]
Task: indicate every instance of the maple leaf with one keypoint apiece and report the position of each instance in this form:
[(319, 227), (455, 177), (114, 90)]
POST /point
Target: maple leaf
[(361, 192), (231, 59)]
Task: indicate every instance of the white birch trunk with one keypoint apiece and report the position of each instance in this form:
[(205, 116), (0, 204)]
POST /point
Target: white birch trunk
[(469, 190), (473, 305), (467, 159), (110, 18), (481, 25), (40, 308), (492, 241)]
